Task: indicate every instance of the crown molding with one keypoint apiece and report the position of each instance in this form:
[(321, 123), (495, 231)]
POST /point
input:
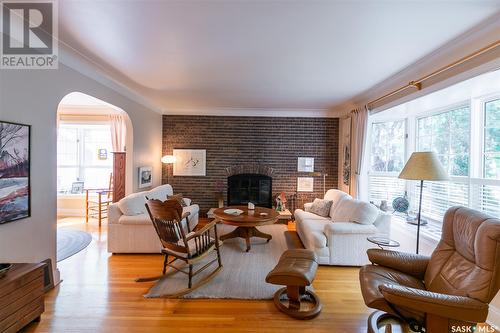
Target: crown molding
[(254, 112)]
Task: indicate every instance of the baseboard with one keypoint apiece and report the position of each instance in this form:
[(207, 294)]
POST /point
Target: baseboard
[(494, 316)]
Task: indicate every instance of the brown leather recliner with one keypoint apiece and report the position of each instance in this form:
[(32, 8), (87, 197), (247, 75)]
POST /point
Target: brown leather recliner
[(455, 284)]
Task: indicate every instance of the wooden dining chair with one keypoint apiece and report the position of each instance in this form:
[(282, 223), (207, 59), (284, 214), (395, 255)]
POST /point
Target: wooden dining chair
[(97, 202), (189, 248)]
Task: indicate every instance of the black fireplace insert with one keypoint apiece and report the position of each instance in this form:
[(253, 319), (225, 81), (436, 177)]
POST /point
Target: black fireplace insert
[(247, 187)]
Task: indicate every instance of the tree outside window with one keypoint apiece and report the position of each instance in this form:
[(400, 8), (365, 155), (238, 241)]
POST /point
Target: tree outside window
[(388, 146), (492, 140)]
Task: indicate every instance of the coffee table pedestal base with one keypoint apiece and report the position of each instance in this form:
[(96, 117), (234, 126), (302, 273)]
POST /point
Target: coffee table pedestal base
[(246, 233)]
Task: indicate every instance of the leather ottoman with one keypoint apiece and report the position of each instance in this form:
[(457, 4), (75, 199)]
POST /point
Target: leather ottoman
[(296, 270)]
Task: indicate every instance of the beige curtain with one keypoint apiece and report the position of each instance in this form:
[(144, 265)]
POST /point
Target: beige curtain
[(118, 132), (359, 120), (344, 153)]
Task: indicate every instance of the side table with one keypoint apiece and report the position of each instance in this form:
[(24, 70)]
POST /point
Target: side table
[(381, 241)]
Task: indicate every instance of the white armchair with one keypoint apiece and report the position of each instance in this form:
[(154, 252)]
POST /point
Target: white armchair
[(340, 238)]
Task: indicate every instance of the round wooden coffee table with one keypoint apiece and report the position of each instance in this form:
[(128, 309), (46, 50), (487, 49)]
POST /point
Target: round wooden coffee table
[(247, 222)]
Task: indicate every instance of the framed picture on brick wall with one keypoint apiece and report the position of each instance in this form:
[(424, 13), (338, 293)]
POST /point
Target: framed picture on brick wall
[(190, 162), (305, 164), (305, 184)]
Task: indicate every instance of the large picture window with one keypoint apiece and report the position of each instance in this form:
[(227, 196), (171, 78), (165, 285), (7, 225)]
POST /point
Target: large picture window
[(83, 155), (461, 124)]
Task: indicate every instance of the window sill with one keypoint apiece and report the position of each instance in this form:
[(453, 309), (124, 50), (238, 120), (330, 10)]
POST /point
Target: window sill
[(70, 196), (431, 231)]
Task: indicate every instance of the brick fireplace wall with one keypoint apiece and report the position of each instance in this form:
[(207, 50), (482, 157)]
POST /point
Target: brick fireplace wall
[(269, 141)]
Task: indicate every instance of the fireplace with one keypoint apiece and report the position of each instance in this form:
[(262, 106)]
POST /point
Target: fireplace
[(250, 187)]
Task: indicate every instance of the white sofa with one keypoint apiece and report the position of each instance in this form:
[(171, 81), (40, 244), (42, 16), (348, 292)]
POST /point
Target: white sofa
[(340, 238), (129, 227)]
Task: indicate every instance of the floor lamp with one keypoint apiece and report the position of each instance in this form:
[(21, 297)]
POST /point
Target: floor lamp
[(423, 166), (168, 160)]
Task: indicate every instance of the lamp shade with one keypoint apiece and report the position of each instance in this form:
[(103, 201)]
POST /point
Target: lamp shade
[(168, 159), (424, 165)]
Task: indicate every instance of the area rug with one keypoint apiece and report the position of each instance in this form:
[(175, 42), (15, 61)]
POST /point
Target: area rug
[(244, 273), (70, 242)]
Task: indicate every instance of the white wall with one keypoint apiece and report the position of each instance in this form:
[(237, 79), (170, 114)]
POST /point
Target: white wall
[(32, 97)]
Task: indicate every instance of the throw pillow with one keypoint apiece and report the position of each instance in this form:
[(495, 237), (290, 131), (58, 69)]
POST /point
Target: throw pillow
[(321, 207), (179, 198)]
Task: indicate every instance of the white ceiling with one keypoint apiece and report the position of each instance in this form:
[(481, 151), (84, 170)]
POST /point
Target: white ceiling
[(260, 54)]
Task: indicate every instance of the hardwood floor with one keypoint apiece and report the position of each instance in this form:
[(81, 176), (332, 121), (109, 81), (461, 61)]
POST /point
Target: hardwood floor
[(98, 294)]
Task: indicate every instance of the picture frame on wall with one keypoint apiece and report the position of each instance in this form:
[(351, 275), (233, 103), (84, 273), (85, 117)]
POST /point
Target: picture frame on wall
[(190, 162), (15, 189), (305, 164), (77, 187), (305, 184), (145, 176)]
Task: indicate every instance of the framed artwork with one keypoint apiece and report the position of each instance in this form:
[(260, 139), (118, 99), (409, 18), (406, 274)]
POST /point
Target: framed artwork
[(145, 176), (190, 162), (305, 184), (102, 154), (15, 192), (76, 187), (305, 164)]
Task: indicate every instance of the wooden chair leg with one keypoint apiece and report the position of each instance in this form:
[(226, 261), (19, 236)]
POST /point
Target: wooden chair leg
[(100, 210), (87, 206), (190, 276), (165, 262), (436, 324)]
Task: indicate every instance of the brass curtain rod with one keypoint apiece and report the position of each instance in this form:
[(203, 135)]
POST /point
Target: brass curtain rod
[(418, 83)]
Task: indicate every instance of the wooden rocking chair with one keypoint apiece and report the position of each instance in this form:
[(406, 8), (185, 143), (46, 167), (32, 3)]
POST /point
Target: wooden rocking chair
[(190, 248)]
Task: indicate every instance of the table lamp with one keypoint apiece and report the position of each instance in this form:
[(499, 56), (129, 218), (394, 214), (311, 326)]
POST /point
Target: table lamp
[(168, 159), (422, 166)]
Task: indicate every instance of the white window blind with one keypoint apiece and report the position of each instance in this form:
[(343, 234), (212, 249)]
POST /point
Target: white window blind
[(385, 188)]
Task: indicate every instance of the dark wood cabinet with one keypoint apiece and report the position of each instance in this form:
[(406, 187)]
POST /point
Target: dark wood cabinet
[(119, 165), (21, 296)]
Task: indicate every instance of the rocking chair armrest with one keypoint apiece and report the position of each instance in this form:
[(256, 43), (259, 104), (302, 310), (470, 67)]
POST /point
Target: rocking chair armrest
[(449, 306), (201, 231)]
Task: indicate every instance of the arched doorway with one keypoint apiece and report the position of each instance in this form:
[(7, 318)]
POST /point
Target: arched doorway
[(90, 133)]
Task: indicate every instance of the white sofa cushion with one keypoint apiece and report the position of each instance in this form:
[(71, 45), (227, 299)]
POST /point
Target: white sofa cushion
[(133, 204), (134, 219), (160, 192), (351, 210), (335, 196), (303, 215)]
